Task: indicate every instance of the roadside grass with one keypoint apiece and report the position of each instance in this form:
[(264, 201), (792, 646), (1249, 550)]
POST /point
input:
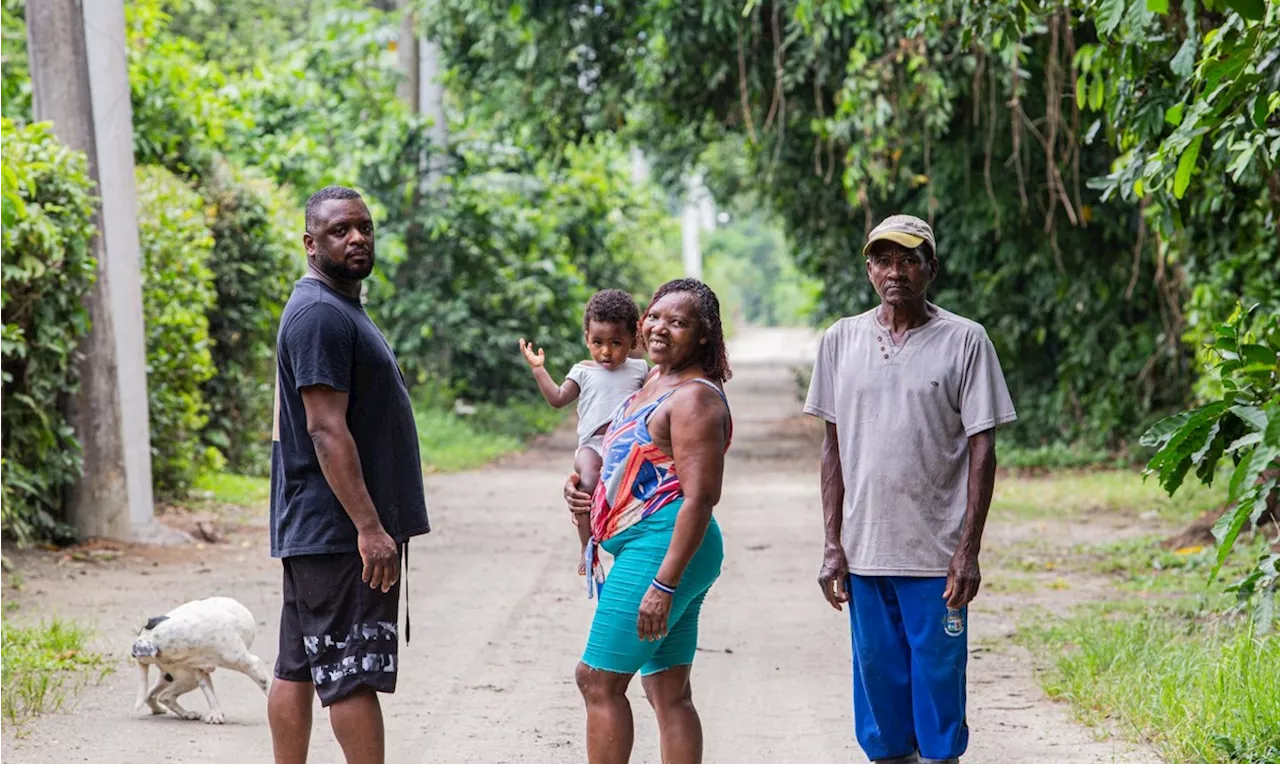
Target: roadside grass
[(44, 666), (1197, 690), (1165, 658), (1067, 495), (228, 488), (450, 442)]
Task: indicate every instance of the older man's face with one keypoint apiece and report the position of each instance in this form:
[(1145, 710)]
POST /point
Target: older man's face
[(899, 275)]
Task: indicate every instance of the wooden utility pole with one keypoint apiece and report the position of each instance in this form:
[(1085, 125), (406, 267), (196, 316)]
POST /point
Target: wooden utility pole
[(79, 77)]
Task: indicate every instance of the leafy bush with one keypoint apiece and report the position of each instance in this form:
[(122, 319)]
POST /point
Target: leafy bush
[(1242, 424), (16, 95), (1057, 456), (48, 269), (182, 109), (177, 293), (256, 258), (490, 268)]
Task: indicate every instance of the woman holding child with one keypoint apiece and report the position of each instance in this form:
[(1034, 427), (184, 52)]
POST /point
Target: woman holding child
[(663, 467)]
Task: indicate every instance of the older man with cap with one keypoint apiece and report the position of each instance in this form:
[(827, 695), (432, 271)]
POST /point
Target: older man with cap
[(911, 395)]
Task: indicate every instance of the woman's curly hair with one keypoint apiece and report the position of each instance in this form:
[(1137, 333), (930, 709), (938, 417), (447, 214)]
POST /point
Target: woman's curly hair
[(715, 357), (612, 306)]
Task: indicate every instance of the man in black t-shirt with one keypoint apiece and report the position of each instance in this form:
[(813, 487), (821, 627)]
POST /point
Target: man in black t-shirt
[(346, 492)]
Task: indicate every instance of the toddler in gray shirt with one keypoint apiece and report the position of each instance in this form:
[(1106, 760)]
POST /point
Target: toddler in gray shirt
[(599, 385)]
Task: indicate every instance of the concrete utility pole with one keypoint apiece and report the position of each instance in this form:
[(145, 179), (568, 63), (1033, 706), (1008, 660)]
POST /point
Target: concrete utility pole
[(407, 50), (80, 82), (419, 61), (698, 215)]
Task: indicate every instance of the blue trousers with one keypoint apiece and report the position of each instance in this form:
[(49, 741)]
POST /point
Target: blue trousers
[(909, 657)]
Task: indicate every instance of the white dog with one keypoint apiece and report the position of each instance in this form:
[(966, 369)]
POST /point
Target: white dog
[(187, 644)]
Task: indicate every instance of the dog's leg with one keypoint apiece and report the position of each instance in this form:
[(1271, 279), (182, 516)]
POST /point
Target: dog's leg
[(215, 715), (253, 667), (163, 682), (184, 681)]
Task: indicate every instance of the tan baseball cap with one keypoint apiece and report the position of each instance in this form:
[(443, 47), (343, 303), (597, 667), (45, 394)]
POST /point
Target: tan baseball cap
[(907, 230)]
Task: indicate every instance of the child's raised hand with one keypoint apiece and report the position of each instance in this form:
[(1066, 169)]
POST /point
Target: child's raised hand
[(535, 360)]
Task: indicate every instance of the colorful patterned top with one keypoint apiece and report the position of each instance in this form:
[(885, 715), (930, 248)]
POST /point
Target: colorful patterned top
[(637, 478)]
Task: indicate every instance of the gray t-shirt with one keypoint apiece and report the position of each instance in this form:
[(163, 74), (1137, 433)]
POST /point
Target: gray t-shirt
[(602, 390), (903, 416)]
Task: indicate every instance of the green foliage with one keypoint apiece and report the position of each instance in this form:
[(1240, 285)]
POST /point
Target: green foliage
[(223, 488), (15, 95), (450, 442), (183, 104), (497, 252), (489, 268), (177, 293), (1208, 690), (43, 664), (325, 109), (1243, 424), (748, 264), (1072, 496), (1057, 456), (255, 260), (48, 269), (994, 121)]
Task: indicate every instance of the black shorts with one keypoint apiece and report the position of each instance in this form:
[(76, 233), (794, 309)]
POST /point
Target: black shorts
[(335, 631)]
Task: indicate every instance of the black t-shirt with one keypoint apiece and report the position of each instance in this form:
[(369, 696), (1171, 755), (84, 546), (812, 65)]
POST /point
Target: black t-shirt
[(326, 338)]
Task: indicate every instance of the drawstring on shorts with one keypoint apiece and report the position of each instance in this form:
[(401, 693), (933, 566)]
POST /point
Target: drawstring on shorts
[(405, 555)]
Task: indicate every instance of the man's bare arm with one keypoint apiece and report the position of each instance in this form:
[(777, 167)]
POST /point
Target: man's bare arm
[(835, 568), (326, 410), (964, 576)]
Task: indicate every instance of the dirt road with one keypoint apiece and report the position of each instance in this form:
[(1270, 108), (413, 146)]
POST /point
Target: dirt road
[(499, 620)]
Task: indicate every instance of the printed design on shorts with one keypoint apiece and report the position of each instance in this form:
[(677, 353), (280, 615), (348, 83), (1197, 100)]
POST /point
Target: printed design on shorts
[(360, 651), (350, 665), (953, 624), (359, 633)]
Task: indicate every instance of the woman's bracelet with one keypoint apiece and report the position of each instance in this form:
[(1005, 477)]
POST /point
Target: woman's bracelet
[(663, 587)]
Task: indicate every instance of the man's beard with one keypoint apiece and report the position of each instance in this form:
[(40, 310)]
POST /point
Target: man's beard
[(343, 272)]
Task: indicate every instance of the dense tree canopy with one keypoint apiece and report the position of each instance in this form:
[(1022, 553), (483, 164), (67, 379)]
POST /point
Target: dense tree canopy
[(1102, 174)]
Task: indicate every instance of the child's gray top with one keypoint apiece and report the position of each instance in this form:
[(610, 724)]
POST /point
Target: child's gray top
[(602, 390)]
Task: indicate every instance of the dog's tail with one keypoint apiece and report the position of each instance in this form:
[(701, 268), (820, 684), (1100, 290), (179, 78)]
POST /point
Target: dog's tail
[(144, 671)]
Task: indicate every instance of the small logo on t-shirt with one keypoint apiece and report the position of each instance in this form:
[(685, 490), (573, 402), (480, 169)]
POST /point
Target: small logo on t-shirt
[(954, 623)]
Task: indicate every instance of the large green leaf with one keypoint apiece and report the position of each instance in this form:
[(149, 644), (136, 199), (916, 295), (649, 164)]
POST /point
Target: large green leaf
[(1253, 10), (1228, 528), (1184, 62), (1158, 6), (1249, 470), (1252, 416), (1177, 456), (1261, 354), (1186, 165), (1160, 432), (1272, 431), (1110, 13)]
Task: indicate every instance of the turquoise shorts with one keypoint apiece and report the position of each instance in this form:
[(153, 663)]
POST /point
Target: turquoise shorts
[(638, 553)]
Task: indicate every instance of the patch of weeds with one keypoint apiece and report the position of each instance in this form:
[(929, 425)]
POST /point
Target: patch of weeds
[(228, 488), (1064, 495), (450, 442), (1009, 583), (1029, 556), (43, 666), (1199, 690), (1058, 456), (1143, 565)]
